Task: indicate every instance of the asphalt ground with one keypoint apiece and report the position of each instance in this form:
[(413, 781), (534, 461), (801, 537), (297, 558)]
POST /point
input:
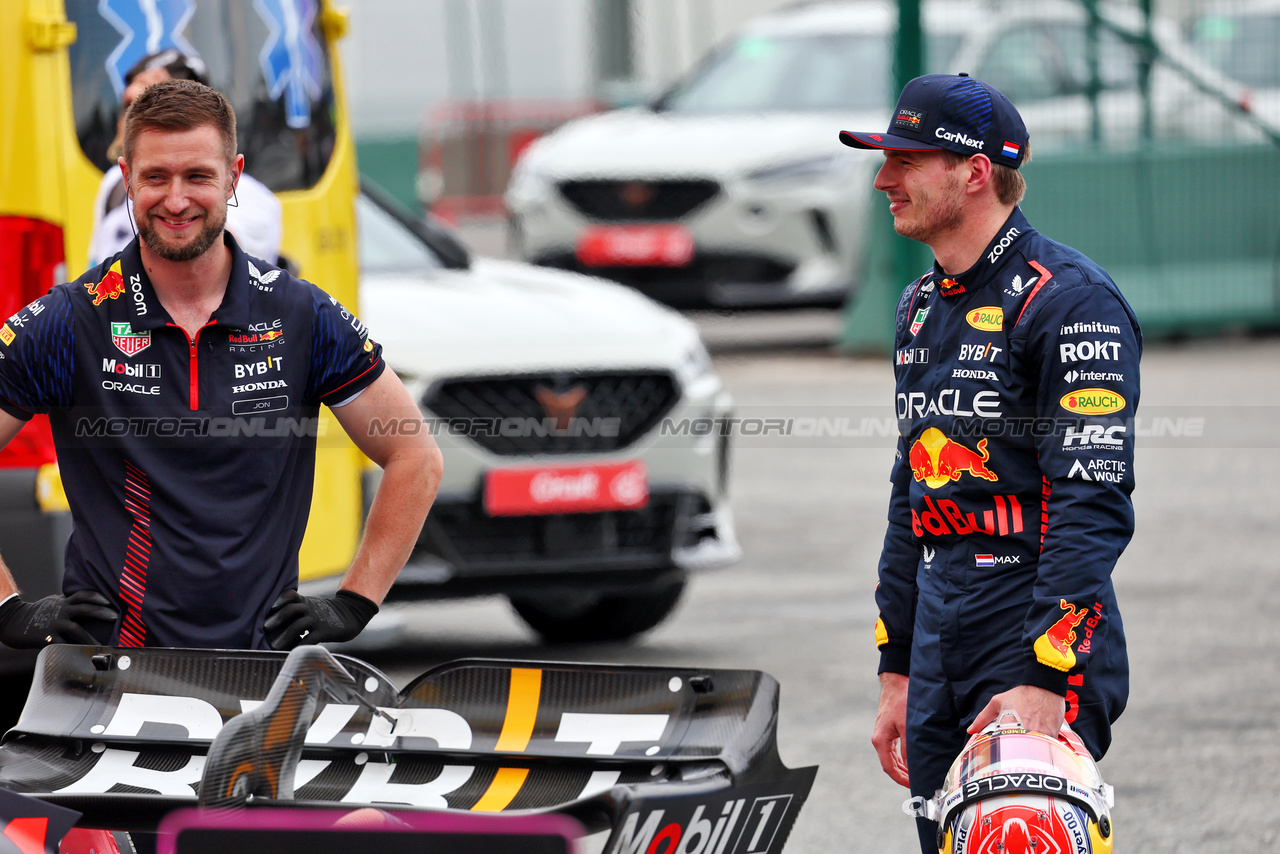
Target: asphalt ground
[(1197, 751)]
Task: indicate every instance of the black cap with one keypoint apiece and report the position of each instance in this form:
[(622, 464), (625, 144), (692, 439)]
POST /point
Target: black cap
[(178, 64), (955, 112)]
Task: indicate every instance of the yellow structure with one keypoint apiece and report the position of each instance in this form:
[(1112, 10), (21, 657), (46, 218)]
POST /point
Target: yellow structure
[(56, 87)]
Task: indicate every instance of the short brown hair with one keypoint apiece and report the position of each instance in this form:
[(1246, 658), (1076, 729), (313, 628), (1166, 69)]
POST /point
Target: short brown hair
[(1008, 182), (180, 105)]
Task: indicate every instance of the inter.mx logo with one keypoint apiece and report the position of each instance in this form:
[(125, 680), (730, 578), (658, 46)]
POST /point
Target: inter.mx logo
[(733, 828)]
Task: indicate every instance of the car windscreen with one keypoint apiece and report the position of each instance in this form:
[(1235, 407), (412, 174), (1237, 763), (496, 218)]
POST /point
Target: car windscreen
[(1245, 47), (269, 57), (758, 73), (387, 245)]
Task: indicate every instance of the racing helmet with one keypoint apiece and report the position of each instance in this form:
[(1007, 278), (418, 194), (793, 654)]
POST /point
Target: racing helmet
[(1017, 792)]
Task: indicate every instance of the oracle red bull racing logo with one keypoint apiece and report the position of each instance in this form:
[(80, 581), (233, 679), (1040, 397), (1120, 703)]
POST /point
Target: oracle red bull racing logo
[(111, 286), (937, 460)]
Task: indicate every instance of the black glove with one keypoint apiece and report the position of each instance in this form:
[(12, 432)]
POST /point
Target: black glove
[(53, 619), (295, 619)]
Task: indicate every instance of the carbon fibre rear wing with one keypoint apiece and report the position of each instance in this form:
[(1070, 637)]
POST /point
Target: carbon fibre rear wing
[(655, 755)]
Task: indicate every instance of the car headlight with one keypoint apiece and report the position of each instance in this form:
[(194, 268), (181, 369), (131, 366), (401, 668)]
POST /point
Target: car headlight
[(529, 182), (695, 364), (825, 168)]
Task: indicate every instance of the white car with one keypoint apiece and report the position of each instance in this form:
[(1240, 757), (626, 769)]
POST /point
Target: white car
[(731, 189), (582, 478)]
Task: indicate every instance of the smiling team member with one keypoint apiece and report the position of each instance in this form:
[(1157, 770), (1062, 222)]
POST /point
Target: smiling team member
[(183, 384), (254, 218), (1017, 378)]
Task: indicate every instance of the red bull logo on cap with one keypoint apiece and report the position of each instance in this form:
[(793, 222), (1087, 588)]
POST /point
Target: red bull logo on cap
[(937, 460), (111, 286)]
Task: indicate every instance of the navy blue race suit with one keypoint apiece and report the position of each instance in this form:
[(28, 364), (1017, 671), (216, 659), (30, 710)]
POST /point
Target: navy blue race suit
[(1016, 386), (188, 463)]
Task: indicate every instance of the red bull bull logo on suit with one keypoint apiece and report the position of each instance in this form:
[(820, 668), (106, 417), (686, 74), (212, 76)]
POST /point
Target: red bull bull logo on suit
[(937, 460)]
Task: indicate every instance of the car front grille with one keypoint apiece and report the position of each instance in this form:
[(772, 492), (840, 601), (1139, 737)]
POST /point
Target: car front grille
[(590, 413), (638, 200), (470, 539)]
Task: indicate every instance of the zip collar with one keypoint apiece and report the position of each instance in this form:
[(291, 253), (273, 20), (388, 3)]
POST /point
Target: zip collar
[(1015, 230), (145, 310)]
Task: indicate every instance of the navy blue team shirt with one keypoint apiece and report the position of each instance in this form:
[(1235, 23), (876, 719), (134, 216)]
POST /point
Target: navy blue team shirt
[(188, 463), (1017, 383)]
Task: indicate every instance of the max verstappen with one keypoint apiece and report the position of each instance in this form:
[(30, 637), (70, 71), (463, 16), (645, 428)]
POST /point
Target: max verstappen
[(1016, 367), (180, 377)]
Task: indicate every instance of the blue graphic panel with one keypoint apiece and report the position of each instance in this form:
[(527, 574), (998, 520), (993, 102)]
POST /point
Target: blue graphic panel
[(146, 27), (292, 60)]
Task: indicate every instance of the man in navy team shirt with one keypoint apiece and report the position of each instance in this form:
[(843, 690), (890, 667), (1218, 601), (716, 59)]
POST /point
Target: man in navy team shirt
[(1017, 380), (183, 384)]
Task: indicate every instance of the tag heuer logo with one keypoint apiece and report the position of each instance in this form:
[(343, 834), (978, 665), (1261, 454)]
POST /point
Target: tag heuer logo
[(127, 341)]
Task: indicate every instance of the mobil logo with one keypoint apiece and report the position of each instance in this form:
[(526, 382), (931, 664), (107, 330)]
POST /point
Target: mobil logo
[(733, 826)]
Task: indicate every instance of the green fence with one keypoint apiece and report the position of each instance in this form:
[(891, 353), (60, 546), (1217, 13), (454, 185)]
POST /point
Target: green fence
[(392, 164), (1191, 236)]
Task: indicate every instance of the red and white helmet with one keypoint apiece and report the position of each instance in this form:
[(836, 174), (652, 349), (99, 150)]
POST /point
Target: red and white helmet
[(1017, 792)]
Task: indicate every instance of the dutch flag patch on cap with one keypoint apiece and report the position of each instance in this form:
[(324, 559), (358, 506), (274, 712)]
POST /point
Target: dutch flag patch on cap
[(1010, 150), (985, 560)]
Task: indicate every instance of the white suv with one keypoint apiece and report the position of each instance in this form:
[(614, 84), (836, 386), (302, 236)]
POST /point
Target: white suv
[(730, 189), (585, 475)]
